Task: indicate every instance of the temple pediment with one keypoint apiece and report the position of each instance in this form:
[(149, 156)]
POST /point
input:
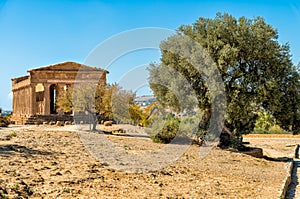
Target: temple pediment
[(67, 66)]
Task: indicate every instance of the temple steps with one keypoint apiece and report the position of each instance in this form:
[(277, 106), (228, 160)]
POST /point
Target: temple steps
[(40, 119), (78, 118)]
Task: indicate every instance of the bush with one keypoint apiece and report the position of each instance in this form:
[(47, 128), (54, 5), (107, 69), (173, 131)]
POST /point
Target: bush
[(275, 129), (265, 120), (4, 121), (265, 124), (164, 129), (11, 135), (167, 132)]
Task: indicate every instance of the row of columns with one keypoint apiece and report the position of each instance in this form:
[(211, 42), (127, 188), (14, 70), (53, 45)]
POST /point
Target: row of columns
[(25, 99), (47, 98)]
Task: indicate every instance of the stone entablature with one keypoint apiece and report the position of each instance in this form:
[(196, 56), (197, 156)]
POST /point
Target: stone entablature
[(37, 93), (20, 82)]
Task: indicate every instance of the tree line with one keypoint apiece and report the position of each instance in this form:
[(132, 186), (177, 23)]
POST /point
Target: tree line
[(254, 70)]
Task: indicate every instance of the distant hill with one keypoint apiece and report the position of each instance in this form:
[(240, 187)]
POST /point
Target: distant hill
[(4, 113), (144, 100)]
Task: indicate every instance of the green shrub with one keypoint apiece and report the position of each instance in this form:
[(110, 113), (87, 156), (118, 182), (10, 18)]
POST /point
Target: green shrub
[(265, 120), (265, 124), (4, 196), (4, 121), (168, 132), (11, 135), (275, 129)]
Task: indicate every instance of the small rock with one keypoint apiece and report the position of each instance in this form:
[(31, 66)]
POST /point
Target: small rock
[(68, 123), (107, 123), (59, 123)]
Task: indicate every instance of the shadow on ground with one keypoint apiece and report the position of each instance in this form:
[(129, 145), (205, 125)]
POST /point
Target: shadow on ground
[(14, 149), (278, 159), (291, 191)]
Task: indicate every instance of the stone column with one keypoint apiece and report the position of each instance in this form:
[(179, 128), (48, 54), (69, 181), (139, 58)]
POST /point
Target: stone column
[(14, 102), (32, 99), (47, 99)]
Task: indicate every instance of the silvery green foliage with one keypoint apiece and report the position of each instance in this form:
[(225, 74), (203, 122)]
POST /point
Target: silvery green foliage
[(257, 71)]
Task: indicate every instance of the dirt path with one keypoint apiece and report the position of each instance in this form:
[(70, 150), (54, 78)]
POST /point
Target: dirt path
[(52, 162)]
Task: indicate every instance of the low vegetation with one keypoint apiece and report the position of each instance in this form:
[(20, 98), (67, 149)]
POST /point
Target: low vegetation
[(266, 124), (11, 135), (4, 121), (165, 129), (170, 127), (142, 116)]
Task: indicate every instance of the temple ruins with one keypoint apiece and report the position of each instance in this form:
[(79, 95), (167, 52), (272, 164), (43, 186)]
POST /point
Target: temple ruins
[(35, 95)]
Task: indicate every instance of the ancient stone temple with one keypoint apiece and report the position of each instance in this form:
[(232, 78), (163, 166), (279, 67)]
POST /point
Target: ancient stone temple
[(36, 93)]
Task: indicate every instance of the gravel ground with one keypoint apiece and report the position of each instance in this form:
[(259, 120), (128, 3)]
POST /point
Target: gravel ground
[(52, 162)]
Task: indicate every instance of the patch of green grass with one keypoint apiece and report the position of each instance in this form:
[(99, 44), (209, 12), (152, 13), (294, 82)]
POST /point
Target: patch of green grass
[(11, 135), (67, 190), (4, 196), (16, 187)]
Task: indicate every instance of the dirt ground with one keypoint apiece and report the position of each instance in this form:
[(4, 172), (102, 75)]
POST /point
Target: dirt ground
[(52, 162)]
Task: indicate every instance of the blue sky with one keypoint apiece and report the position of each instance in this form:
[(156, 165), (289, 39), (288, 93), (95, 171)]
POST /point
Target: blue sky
[(38, 33)]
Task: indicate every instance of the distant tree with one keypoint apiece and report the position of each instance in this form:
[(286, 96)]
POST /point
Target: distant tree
[(136, 113), (65, 101), (109, 101), (122, 101), (148, 113), (287, 109), (86, 97), (141, 116), (4, 121), (256, 70)]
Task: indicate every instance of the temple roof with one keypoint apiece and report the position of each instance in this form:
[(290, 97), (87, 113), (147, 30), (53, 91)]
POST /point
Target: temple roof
[(68, 66), (19, 79)]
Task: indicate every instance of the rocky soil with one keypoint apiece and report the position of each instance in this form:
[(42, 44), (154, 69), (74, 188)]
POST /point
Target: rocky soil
[(52, 162)]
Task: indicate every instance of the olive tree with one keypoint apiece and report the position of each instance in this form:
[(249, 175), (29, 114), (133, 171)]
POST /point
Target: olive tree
[(256, 70)]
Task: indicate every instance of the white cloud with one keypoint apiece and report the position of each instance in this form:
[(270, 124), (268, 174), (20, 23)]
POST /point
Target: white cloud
[(10, 95)]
